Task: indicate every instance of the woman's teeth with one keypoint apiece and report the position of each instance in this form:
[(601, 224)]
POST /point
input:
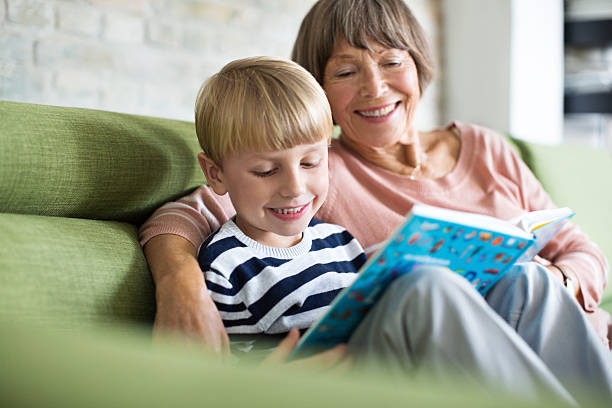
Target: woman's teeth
[(378, 112)]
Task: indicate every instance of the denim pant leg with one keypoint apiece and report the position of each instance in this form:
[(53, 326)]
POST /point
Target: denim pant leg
[(548, 318), (432, 322)]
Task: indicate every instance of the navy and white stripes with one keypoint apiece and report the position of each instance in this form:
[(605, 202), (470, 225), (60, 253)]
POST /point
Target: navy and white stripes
[(260, 289)]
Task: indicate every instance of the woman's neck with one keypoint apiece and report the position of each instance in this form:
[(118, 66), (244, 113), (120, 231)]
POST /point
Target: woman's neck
[(404, 158)]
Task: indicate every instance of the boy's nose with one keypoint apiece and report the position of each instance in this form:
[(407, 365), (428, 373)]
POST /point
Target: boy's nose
[(293, 185)]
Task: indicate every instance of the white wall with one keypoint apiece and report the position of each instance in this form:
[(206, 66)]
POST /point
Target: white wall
[(150, 57), (137, 56), (504, 66), (536, 70), (427, 12)]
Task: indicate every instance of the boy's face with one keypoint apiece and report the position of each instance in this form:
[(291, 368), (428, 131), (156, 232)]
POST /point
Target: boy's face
[(275, 194)]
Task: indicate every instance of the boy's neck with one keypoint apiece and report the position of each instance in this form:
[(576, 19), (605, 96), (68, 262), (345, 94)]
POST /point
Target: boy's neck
[(267, 238)]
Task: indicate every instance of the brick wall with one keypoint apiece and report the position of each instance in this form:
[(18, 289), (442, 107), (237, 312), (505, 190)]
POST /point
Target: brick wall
[(146, 56)]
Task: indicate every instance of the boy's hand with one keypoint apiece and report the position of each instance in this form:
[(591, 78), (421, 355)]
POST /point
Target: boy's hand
[(335, 358)]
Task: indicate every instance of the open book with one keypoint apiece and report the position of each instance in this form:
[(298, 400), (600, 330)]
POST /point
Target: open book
[(478, 247)]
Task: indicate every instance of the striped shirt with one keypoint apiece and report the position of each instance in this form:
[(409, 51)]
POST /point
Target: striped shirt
[(262, 289)]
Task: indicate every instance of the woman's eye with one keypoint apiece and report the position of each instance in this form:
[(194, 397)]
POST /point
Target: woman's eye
[(392, 64), (344, 74)]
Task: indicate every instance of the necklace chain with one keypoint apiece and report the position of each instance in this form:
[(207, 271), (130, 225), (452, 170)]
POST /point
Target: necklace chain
[(418, 166), (414, 170)]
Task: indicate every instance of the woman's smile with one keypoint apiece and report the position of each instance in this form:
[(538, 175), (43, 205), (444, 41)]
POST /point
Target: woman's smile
[(378, 113)]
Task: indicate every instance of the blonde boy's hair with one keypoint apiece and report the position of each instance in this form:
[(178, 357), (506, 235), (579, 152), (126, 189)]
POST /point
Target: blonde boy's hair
[(260, 104)]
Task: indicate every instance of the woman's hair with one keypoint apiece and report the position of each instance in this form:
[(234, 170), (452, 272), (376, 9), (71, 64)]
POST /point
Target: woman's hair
[(260, 104), (387, 22)]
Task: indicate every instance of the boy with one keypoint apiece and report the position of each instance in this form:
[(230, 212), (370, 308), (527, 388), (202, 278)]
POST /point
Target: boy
[(264, 126)]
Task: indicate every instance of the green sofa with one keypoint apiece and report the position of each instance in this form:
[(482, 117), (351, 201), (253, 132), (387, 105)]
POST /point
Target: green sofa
[(77, 300)]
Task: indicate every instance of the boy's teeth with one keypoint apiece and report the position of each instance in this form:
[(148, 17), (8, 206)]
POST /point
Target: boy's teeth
[(287, 210), (378, 112)]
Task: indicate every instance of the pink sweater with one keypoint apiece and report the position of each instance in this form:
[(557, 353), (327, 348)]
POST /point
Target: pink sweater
[(489, 178)]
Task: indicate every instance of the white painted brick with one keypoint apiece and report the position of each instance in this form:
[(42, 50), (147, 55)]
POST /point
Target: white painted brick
[(145, 56), (213, 12), (18, 80), (78, 84), (163, 100), (58, 51), (26, 86), (277, 6), (146, 63), (78, 19), (35, 13), (122, 94), (164, 33), (37, 83), (13, 49), (123, 28), (136, 7), (201, 38)]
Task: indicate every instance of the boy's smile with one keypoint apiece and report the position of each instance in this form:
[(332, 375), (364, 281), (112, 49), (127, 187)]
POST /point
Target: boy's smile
[(290, 214), (276, 193)]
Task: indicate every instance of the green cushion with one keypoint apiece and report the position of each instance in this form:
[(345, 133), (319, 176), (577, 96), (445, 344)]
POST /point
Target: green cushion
[(73, 273), (579, 177), (92, 164), (106, 369)]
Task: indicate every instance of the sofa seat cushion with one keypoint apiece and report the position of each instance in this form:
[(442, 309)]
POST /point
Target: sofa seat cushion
[(71, 273)]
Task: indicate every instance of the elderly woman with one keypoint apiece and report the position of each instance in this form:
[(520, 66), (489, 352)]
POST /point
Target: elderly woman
[(372, 59)]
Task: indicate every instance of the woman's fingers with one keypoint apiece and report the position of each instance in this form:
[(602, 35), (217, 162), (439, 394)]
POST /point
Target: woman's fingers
[(195, 318)]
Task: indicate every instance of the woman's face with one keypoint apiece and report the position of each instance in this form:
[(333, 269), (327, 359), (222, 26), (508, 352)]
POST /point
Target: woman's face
[(373, 95)]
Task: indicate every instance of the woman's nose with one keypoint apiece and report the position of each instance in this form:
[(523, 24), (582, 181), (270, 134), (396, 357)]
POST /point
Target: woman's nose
[(373, 83)]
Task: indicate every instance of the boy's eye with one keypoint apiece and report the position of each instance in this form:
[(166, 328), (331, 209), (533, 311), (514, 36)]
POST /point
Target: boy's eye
[(265, 173), (310, 165)]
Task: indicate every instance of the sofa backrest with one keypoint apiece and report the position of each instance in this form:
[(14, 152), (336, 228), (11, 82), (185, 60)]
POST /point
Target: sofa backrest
[(579, 177), (97, 165), (84, 163)]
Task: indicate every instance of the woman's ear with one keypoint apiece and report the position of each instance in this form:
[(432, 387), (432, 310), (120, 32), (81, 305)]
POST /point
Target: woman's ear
[(213, 173)]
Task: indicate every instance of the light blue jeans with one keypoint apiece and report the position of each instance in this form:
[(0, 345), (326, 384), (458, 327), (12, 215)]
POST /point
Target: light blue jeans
[(528, 337)]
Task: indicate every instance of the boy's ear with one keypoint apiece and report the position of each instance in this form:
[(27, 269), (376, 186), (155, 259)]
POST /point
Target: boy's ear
[(213, 173)]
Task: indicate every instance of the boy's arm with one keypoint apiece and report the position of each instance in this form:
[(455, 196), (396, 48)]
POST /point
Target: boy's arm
[(183, 303)]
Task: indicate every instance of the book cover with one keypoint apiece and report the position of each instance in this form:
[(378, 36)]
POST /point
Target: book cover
[(478, 247)]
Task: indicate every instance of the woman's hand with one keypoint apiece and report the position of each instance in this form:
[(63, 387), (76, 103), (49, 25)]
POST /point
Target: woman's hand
[(183, 304), (335, 359), (576, 284)]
